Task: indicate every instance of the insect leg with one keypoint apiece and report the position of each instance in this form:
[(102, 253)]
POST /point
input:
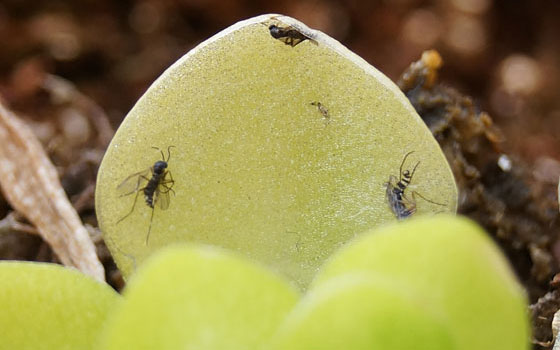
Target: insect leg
[(167, 188), (414, 194), (407, 213), (150, 227), (171, 180), (166, 182), (133, 205)]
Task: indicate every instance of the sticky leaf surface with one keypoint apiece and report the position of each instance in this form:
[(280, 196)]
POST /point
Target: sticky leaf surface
[(279, 152)]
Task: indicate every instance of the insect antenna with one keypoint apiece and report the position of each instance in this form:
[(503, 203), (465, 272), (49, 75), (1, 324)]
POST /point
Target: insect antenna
[(413, 170), (162, 155), (169, 152), (402, 164)]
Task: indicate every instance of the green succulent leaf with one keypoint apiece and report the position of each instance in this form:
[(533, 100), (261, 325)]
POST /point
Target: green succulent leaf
[(199, 298), (456, 269), (360, 312), (280, 152), (47, 306)]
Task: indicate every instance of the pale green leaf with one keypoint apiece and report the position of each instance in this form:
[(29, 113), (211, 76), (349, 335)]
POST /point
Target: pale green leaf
[(258, 166)]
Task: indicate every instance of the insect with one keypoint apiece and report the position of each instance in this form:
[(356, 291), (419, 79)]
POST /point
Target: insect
[(402, 206), (288, 35), (154, 182), (323, 110)]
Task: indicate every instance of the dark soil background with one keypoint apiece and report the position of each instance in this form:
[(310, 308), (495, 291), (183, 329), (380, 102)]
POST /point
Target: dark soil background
[(505, 54)]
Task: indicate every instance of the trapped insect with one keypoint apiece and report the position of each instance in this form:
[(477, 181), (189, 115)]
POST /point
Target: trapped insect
[(288, 35), (400, 204), (323, 110), (154, 182)]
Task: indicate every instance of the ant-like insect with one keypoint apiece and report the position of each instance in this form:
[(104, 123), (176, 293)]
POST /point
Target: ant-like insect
[(288, 35), (155, 188), (402, 206)]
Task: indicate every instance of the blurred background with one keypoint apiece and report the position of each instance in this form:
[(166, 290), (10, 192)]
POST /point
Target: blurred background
[(504, 53)]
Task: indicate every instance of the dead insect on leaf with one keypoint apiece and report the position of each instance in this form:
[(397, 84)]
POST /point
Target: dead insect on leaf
[(288, 35), (323, 110), (155, 185), (402, 206)]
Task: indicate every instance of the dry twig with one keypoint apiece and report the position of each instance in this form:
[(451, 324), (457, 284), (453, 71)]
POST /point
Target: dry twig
[(10, 223), (30, 183)]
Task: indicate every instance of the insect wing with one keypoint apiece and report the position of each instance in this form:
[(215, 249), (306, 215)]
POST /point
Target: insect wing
[(134, 183), (161, 198), (293, 41)]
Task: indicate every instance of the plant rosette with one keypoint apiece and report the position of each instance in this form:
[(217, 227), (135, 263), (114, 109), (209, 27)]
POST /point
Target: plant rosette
[(272, 140), (429, 283)]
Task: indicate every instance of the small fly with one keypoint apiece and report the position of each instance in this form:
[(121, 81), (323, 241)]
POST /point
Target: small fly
[(155, 182), (402, 206), (323, 110), (288, 35)]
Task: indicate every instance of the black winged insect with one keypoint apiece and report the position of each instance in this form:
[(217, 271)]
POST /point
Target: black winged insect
[(288, 35), (402, 206), (154, 182)]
